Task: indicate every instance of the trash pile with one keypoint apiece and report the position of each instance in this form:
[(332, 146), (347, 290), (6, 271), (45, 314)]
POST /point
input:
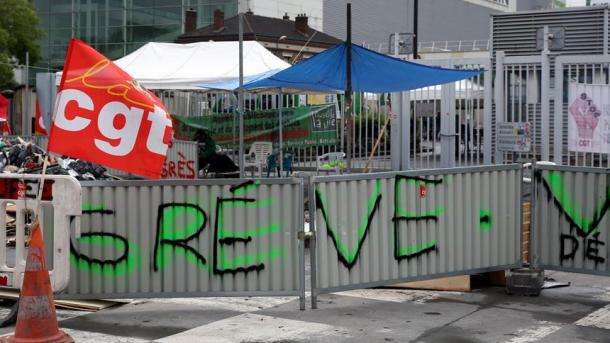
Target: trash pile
[(20, 156)]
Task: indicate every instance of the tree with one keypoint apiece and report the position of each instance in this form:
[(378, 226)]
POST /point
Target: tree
[(19, 33)]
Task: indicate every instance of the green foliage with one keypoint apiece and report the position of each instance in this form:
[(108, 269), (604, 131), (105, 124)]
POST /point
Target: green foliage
[(19, 33)]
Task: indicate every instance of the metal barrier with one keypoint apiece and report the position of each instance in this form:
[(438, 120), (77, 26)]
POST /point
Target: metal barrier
[(183, 238), (60, 215), (571, 219), (384, 228)]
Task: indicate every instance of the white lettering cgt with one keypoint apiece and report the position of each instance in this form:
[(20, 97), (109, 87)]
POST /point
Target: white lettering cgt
[(159, 122), (77, 123), (127, 135)]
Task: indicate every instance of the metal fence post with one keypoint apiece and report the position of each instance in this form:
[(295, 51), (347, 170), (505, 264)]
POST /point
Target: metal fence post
[(312, 242), (448, 134), (396, 132), (405, 130), (487, 120), (544, 96), (558, 112), (499, 99), (302, 238)]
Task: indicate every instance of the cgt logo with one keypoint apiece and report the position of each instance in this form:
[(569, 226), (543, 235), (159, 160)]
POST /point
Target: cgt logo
[(118, 125)]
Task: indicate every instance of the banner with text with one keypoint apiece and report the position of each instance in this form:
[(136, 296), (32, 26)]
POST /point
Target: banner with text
[(589, 118), (302, 126)]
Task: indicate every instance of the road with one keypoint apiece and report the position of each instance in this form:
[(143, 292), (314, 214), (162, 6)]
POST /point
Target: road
[(579, 313)]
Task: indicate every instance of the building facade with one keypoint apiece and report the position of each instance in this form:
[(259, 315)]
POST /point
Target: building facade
[(118, 27), (452, 21)]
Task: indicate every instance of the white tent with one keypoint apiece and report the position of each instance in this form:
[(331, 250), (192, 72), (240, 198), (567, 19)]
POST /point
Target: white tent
[(185, 66)]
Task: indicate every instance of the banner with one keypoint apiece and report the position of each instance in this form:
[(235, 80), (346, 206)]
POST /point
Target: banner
[(302, 126), (589, 118), (105, 117)]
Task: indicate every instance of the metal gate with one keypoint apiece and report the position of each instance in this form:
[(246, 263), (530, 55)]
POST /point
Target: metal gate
[(521, 94), (383, 228), (583, 69), (571, 219), (180, 238), (534, 89), (445, 125)]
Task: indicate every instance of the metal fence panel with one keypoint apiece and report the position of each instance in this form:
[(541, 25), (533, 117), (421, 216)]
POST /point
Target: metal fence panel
[(188, 238), (376, 229), (571, 219)]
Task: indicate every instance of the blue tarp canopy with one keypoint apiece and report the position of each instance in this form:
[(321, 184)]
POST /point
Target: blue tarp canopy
[(371, 72)]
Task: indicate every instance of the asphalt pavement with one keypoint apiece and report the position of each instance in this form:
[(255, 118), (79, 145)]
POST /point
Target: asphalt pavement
[(578, 313)]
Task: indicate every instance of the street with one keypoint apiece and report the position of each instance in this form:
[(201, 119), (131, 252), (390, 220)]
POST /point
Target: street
[(579, 313)]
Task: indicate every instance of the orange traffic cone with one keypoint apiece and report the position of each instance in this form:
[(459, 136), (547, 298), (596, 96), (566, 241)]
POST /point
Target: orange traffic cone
[(36, 319)]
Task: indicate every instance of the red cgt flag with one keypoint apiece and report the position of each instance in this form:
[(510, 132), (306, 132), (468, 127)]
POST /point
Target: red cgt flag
[(38, 122), (104, 116)]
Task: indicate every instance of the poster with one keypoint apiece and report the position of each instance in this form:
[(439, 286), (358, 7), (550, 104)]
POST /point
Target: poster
[(515, 137), (303, 126), (589, 118)]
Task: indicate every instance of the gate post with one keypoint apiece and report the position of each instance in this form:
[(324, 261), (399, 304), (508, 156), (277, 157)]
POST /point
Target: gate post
[(499, 99), (487, 120), (545, 82), (558, 112), (400, 147), (448, 134)]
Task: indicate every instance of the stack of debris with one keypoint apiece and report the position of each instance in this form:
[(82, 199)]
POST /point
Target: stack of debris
[(20, 156)]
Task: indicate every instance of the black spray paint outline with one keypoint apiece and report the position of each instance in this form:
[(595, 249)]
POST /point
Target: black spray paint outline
[(331, 233), (397, 219), (232, 240), (180, 243)]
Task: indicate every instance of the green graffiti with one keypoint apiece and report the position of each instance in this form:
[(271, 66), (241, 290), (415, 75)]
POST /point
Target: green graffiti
[(261, 231), (169, 239), (401, 212), (403, 215), (124, 264), (485, 220), (347, 255), (246, 188), (93, 208), (224, 237), (253, 259), (418, 248), (556, 186)]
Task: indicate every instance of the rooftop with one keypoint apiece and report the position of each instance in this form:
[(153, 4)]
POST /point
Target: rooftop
[(257, 27)]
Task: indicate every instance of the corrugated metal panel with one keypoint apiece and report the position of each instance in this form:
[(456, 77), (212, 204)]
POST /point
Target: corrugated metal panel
[(186, 238), (515, 33), (375, 229), (572, 219)]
